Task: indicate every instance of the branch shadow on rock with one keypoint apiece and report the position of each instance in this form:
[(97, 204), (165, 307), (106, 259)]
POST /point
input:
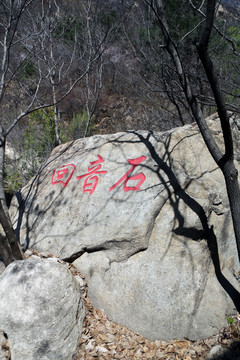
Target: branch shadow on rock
[(206, 232), (29, 199), (175, 194)]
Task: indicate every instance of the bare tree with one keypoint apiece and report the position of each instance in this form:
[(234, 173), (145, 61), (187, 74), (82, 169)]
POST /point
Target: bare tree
[(153, 75), (55, 52), (225, 160), (31, 59), (93, 82)]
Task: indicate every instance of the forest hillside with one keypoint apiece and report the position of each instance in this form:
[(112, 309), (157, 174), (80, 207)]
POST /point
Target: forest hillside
[(102, 67)]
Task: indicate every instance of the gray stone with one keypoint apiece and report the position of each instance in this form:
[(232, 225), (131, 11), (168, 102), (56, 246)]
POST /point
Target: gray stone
[(2, 267), (215, 350), (141, 235), (41, 310)]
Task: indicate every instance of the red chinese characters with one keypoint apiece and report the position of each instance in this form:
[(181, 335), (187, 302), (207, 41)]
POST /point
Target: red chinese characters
[(91, 180), (63, 174), (140, 177)]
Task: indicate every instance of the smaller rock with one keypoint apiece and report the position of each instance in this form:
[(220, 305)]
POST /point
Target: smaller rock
[(41, 310), (215, 350), (28, 253)]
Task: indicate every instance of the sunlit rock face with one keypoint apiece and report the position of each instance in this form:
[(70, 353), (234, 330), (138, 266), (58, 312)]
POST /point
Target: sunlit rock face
[(41, 310), (139, 214)]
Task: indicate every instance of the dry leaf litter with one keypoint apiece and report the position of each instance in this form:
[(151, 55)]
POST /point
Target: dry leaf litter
[(103, 339)]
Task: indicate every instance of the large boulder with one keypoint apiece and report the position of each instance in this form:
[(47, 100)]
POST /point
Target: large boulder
[(145, 217), (41, 312)]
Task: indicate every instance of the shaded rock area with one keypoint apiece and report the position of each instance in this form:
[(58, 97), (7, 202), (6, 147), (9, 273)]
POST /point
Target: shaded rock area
[(41, 312), (145, 217)]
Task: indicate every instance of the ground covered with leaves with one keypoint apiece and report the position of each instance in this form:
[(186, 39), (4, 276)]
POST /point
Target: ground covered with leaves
[(103, 339)]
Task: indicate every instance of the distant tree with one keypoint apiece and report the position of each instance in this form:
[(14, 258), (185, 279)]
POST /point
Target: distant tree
[(153, 76), (206, 27), (69, 42), (34, 60)]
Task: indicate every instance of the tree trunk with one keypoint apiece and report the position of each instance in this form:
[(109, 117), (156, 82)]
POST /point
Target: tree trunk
[(56, 116), (231, 179), (223, 160), (10, 248), (10, 234), (5, 251)]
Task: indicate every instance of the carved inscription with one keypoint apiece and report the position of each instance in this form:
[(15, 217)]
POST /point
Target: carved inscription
[(63, 175)]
